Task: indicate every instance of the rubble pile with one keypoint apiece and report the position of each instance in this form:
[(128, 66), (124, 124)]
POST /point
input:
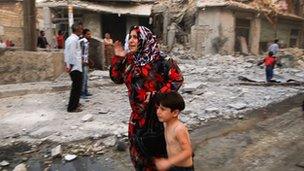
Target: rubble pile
[(211, 86), (211, 90), (292, 56)]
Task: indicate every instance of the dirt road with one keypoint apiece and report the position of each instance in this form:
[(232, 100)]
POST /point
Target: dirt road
[(269, 139)]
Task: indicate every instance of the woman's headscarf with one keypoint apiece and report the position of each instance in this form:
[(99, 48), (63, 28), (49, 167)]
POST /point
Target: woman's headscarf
[(147, 49)]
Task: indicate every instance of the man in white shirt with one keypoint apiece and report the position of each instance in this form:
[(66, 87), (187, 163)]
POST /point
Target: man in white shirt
[(73, 66), (274, 47)]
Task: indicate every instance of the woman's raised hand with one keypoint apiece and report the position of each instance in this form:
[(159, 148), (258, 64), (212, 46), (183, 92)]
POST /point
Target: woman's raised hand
[(118, 49)]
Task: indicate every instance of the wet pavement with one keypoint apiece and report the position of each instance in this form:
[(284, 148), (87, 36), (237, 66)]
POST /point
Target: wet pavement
[(270, 138)]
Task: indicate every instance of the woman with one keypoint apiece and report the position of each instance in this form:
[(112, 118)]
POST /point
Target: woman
[(109, 51), (145, 72), (60, 40)]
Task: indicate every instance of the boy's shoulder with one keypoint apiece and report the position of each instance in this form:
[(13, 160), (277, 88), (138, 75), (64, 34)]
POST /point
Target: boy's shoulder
[(181, 127)]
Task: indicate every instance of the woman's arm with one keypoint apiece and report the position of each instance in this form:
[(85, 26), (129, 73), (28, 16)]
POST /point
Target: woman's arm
[(118, 64)]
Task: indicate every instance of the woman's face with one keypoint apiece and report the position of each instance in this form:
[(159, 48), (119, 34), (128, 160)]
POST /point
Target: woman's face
[(133, 41)]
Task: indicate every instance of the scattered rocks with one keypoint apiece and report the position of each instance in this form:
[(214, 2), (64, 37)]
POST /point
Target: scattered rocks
[(69, 157), (240, 116), (238, 106), (20, 167), (121, 146), (4, 163), (104, 111), (87, 118), (212, 110), (57, 151), (110, 141), (188, 88)]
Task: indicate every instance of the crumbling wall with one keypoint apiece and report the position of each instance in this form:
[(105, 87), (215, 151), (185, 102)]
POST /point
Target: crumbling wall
[(25, 66), (11, 22), (268, 33), (221, 25)]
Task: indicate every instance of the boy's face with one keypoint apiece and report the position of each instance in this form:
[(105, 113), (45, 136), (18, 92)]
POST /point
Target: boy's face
[(88, 35), (165, 114)]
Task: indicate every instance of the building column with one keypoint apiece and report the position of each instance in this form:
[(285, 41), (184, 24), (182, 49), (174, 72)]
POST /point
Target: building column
[(48, 26), (255, 34), (29, 25)]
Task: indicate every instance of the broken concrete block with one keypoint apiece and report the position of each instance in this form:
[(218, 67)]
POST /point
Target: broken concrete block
[(212, 110), (238, 106), (4, 163), (57, 151), (104, 111), (188, 88), (20, 167), (110, 141), (69, 157), (87, 118)]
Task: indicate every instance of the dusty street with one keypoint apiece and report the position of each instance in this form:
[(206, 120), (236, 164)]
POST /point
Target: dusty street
[(269, 139)]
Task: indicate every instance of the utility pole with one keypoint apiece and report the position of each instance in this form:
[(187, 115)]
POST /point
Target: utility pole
[(29, 25), (71, 17)]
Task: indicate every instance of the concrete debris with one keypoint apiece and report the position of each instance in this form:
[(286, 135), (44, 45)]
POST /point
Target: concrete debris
[(20, 167), (238, 106), (110, 141), (188, 88), (212, 110), (104, 111), (121, 146), (57, 151), (4, 163), (87, 118), (70, 157), (300, 164)]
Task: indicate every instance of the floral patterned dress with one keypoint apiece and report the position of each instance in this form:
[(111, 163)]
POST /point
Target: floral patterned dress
[(160, 75)]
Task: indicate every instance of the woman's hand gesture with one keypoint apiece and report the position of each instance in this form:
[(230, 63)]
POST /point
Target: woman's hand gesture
[(118, 49)]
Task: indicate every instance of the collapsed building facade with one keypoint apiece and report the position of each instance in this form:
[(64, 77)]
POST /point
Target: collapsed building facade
[(206, 26), (247, 26), (11, 21)]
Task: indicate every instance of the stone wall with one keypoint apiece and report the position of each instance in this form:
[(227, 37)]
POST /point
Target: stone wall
[(11, 22), (25, 66), (221, 24)]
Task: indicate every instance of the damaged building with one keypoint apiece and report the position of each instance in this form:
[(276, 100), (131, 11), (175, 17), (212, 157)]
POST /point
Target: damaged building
[(205, 26), (246, 26), (114, 17), (11, 21)]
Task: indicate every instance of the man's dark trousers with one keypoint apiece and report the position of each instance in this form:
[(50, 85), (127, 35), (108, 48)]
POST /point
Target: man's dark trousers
[(76, 77)]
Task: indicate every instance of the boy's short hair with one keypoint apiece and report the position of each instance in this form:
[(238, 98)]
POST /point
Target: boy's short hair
[(85, 31), (172, 100), (270, 53)]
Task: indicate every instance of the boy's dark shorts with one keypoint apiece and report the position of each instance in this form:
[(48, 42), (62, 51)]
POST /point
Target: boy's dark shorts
[(177, 168)]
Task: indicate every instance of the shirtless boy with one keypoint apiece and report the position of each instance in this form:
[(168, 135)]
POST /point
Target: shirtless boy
[(176, 134)]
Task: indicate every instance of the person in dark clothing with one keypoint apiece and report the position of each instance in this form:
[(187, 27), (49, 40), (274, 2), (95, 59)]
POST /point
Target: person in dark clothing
[(42, 42), (269, 62)]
